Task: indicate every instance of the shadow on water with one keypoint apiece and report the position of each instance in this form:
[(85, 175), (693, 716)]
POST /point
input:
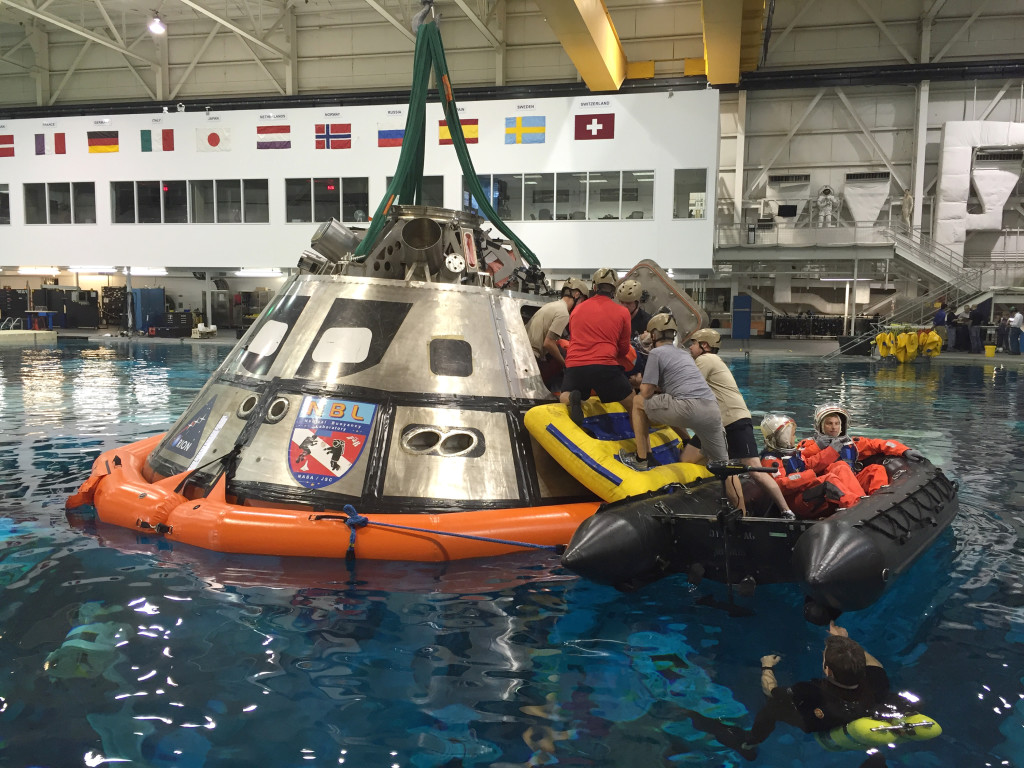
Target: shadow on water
[(171, 656)]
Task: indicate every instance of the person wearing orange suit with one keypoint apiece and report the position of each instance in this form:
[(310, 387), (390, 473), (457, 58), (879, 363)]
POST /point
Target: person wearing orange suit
[(811, 493), (831, 442)]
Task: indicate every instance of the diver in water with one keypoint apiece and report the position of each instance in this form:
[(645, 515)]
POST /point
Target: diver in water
[(854, 685), (306, 446)]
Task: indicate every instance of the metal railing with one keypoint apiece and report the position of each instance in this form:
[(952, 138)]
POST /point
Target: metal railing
[(781, 234), (920, 309)]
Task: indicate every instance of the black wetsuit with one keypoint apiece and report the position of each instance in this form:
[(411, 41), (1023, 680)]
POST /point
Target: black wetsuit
[(817, 705)]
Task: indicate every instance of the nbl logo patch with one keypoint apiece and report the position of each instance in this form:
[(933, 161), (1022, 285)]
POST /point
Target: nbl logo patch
[(327, 439)]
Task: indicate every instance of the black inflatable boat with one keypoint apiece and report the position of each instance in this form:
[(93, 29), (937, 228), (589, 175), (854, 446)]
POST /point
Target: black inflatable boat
[(843, 563)]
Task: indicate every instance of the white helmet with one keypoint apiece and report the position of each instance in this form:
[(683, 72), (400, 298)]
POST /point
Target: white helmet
[(831, 409), (779, 431)]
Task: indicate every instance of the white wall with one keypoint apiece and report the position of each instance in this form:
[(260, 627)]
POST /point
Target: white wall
[(661, 131)]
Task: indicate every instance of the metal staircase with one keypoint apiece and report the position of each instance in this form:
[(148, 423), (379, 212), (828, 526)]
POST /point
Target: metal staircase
[(927, 255), (919, 310)]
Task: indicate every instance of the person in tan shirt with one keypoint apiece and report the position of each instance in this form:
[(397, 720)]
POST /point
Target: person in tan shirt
[(739, 429), (548, 324)]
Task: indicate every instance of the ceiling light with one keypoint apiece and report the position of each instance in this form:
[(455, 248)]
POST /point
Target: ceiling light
[(145, 271), (156, 26), (93, 270), (271, 272), (41, 271)]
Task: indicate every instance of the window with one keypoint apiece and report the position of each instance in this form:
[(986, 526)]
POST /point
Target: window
[(181, 202), (202, 202), (257, 201), (691, 186), (604, 195), (432, 190), (321, 199), (59, 203), (638, 194), (175, 202), (451, 357), (5, 204), (83, 202), (229, 201), (570, 196), (326, 199), (538, 196), (505, 192)]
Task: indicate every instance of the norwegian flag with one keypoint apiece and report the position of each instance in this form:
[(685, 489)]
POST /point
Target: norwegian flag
[(334, 135)]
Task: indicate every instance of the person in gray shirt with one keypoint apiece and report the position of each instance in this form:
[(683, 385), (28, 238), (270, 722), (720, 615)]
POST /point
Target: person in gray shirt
[(674, 392)]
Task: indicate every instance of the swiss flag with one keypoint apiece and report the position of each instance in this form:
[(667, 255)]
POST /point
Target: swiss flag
[(595, 126)]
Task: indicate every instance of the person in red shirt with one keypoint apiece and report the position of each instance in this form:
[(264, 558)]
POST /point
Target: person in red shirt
[(599, 333)]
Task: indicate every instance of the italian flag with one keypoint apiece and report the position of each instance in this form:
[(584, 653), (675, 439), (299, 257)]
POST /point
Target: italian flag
[(157, 141)]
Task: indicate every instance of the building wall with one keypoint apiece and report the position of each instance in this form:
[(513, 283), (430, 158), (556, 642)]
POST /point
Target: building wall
[(646, 138)]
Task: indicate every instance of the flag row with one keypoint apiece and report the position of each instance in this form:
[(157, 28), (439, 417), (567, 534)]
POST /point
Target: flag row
[(523, 129)]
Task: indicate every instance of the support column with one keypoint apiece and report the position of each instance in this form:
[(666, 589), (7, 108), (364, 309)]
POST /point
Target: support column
[(741, 156), (921, 117), (40, 42)]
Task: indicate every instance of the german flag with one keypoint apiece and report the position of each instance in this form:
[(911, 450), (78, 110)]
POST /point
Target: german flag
[(470, 130), (103, 141)]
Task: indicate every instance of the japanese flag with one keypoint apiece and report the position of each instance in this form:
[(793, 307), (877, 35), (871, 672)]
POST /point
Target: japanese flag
[(213, 139)]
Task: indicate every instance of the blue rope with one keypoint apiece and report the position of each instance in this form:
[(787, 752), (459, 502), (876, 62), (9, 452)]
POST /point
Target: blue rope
[(355, 521)]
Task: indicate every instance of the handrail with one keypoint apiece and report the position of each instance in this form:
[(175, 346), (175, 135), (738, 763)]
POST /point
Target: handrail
[(912, 313)]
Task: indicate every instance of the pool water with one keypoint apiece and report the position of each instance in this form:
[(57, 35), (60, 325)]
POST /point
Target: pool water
[(118, 648)]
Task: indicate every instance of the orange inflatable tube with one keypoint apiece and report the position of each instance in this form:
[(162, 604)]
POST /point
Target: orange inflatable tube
[(123, 497)]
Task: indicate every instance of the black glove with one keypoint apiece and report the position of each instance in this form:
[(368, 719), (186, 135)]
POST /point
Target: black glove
[(913, 455)]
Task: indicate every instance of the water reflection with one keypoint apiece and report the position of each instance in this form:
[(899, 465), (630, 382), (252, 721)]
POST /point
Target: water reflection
[(169, 656)]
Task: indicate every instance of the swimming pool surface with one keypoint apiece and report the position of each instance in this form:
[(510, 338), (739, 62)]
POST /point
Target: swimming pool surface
[(118, 648)]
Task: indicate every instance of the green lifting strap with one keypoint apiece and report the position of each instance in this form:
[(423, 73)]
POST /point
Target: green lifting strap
[(407, 185)]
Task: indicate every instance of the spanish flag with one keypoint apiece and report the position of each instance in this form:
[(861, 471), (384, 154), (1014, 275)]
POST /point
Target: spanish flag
[(470, 129), (103, 141)]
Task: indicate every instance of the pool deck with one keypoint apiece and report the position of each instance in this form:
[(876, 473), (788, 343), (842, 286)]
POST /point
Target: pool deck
[(731, 348)]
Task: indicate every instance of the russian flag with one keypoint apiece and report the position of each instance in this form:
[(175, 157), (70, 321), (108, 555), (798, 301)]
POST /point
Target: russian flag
[(389, 136), (51, 144)]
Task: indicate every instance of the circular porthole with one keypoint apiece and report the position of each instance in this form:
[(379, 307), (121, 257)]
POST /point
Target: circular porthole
[(246, 407), (277, 410), (457, 443)]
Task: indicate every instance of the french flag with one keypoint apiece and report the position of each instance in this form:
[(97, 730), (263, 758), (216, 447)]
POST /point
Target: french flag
[(50, 144)]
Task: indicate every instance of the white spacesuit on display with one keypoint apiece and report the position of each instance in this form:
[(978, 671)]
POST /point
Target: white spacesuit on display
[(826, 207)]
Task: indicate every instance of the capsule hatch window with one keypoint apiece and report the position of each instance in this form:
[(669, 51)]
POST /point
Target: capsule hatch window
[(343, 345)]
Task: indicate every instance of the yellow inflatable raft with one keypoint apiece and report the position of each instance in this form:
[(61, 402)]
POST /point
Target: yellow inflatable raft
[(886, 343), (869, 732), (591, 454), (906, 347), (928, 343)]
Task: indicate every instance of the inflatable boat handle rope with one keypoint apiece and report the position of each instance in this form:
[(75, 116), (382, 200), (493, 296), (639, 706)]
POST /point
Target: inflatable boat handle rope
[(354, 521)]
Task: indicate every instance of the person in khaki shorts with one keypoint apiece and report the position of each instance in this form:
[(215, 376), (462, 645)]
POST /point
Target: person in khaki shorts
[(547, 326), (739, 429), (674, 392)]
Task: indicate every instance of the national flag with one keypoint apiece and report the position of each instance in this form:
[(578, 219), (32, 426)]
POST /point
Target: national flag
[(334, 135), (470, 130), (51, 144), (103, 141), (6, 145), (389, 135), (273, 137), (161, 140), (595, 126), (213, 139), (525, 129)]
